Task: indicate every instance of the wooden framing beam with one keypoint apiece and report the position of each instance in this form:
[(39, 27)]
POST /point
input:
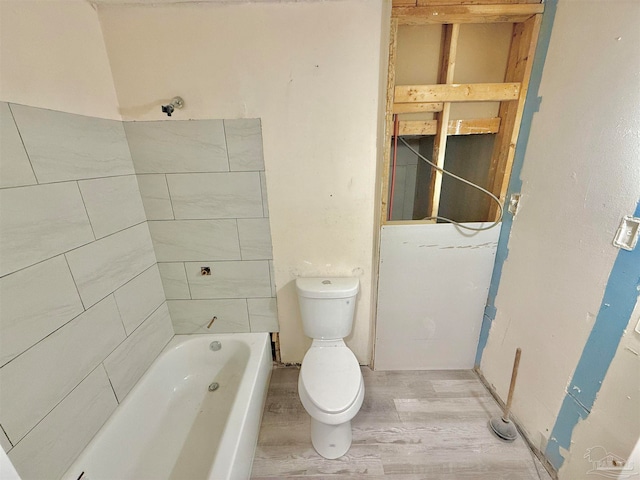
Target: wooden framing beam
[(526, 15), (447, 67), (417, 107), (424, 3), (456, 127), (449, 14), (459, 92), (391, 81), (519, 65)]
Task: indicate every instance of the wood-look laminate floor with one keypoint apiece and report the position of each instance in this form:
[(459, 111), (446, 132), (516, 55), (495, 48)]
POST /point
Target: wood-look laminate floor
[(412, 425)]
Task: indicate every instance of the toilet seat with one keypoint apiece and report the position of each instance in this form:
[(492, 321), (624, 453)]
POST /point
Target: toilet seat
[(331, 377)]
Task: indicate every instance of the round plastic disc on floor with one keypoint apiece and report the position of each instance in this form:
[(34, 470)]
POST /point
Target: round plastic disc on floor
[(505, 430)]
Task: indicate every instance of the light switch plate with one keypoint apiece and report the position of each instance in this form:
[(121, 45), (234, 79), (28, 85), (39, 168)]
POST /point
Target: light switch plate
[(627, 234)]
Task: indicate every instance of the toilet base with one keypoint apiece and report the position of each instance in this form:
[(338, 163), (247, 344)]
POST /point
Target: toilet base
[(331, 441)]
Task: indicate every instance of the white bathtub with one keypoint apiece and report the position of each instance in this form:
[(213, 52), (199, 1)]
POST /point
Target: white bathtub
[(171, 426)]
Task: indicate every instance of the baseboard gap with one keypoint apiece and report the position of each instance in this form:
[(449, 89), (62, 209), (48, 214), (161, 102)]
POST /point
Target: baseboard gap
[(536, 451)]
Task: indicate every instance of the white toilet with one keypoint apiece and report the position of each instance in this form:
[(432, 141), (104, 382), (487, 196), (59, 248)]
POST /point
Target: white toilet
[(330, 384)]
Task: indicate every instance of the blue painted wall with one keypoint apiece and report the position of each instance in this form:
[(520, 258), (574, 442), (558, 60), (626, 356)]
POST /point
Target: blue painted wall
[(620, 297), (618, 302)]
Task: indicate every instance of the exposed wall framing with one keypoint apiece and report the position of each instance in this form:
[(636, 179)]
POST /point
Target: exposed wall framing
[(437, 99)]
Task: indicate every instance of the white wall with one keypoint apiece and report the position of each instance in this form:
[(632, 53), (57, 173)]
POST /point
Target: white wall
[(310, 72), (580, 176), (52, 55)]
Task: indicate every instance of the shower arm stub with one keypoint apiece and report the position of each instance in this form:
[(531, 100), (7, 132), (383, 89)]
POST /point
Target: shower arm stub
[(176, 102)]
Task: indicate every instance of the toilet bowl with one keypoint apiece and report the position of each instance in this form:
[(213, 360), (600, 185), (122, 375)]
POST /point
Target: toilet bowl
[(331, 390), (330, 384)]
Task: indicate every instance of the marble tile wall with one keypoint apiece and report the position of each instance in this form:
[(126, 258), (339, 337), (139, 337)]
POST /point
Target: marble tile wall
[(204, 193), (82, 307)]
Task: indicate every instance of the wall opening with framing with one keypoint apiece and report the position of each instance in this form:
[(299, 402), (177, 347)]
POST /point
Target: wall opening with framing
[(457, 82), (456, 71)]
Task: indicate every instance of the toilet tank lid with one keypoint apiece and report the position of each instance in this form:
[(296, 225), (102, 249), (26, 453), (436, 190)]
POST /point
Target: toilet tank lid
[(327, 287)]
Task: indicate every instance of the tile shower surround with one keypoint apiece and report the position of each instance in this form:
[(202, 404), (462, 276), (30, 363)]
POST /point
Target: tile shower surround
[(83, 308), (204, 194)]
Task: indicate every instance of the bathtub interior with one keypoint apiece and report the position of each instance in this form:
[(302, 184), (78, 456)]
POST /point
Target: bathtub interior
[(172, 426)]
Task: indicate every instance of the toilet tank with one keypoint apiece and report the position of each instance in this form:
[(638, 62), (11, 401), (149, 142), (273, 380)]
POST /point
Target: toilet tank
[(327, 306)]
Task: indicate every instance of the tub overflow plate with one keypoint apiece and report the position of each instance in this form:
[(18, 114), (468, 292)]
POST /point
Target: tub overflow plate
[(214, 386)]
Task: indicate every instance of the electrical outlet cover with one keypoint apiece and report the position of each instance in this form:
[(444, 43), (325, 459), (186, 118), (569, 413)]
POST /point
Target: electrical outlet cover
[(627, 234)]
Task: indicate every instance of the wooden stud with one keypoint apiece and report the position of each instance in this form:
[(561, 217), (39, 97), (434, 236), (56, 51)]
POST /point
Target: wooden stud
[(403, 3), (411, 222), (391, 81), (427, 3), (447, 67), (456, 127), (460, 92), (417, 107), (449, 14), (519, 65)]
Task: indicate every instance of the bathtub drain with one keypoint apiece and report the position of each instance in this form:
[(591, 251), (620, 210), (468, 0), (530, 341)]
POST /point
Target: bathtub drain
[(215, 346), (214, 386)]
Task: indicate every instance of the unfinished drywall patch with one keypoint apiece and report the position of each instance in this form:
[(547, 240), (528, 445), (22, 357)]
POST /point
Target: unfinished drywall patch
[(618, 302), (560, 250), (599, 439)]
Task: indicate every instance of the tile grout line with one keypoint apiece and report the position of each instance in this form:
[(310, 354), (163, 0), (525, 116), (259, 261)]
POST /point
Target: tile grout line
[(84, 204), (7, 436), (26, 152), (70, 250), (141, 323), (263, 195), (56, 405), (239, 242), (110, 382), (69, 180), (186, 172), (186, 277), (115, 300), (166, 181), (84, 309), (37, 263), (246, 303), (75, 284), (272, 281), (217, 298), (106, 236), (205, 219), (226, 145), (134, 331)]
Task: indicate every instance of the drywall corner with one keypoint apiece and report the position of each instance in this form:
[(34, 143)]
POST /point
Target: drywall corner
[(53, 56)]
